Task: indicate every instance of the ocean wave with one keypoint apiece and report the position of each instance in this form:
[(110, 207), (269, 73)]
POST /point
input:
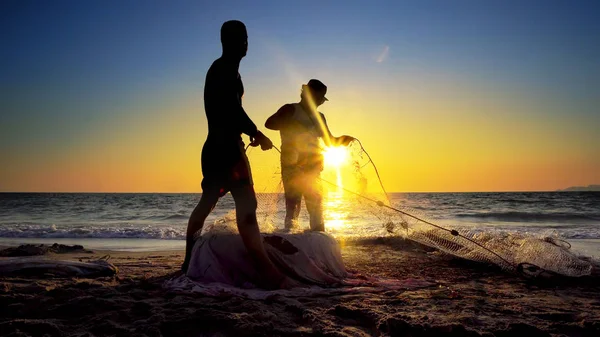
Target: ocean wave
[(162, 232), (177, 217), (518, 201), (87, 232), (530, 216), (161, 217)]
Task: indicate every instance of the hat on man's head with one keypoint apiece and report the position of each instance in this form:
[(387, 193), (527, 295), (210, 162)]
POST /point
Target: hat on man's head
[(317, 88)]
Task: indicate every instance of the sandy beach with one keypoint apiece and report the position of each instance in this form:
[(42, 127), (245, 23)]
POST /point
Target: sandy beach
[(465, 299)]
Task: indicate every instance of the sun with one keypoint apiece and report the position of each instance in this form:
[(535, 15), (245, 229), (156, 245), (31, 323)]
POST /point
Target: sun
[(335, 156)]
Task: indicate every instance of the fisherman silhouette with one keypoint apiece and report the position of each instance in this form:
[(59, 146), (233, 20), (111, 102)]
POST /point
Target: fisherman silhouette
[(225, 166), (300, 126)]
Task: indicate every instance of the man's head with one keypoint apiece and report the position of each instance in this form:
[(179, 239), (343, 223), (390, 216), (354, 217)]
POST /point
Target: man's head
[(316, 90), (234, 38)]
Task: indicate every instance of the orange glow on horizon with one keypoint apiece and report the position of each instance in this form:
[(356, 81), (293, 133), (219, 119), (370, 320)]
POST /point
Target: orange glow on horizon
[(419, 144)]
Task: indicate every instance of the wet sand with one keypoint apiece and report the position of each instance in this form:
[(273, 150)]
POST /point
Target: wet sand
[(467, 299)]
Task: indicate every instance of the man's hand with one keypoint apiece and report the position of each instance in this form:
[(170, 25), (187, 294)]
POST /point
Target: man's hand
[(345, 140), (262, 140)]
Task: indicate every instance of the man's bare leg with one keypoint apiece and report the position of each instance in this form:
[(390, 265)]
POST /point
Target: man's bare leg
[(315, 211), (293, 203), (245, 207), (207, 203), (314, 204), (293, 200)]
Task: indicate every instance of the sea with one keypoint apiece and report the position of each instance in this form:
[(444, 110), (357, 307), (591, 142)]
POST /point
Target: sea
[(149, 222)]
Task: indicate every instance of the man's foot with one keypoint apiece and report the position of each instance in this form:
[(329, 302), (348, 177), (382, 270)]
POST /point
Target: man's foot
[(291, 224), (317, 228), (177, 273), (185, 265)]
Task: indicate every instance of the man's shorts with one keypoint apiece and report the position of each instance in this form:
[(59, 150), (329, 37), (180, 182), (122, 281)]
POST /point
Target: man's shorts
[(225, 167), (299, 181)]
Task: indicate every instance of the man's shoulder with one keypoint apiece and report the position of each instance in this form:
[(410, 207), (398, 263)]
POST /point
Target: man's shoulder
[(287, 108), (285, 111), (221, 68), (217, 63)]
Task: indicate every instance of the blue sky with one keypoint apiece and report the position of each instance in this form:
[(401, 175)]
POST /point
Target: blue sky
[(69, 67)]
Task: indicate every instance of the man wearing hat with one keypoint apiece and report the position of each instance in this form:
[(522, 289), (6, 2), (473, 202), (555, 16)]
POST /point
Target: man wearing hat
[(300, 126)]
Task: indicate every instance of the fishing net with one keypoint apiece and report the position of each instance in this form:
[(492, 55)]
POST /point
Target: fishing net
[(356, 205)]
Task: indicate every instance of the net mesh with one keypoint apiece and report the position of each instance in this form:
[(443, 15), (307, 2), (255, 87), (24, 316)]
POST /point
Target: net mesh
[(356, 205)]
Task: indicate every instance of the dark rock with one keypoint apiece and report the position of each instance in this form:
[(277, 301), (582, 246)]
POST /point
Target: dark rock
[(33, 250)]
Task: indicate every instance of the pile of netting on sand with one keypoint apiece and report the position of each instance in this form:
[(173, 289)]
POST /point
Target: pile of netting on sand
[(356, 207)]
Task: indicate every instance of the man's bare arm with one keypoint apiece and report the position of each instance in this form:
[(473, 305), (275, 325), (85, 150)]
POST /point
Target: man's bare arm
[(279, 119)]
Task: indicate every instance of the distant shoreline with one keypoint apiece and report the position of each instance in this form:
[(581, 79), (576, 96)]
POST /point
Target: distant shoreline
[(588, 188)]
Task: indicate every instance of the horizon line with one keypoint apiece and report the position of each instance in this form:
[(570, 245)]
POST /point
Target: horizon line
[(88, 192)]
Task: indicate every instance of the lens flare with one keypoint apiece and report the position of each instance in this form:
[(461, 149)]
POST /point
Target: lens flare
[(335, 156)]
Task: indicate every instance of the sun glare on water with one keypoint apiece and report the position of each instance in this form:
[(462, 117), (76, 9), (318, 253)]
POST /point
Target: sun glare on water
[(334, 157)]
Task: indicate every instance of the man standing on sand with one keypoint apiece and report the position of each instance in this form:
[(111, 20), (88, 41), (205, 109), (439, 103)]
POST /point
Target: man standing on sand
[(301, 126), (225, 167)]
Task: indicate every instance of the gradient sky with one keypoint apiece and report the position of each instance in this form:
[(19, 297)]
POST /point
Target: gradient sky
[(106, 96)]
